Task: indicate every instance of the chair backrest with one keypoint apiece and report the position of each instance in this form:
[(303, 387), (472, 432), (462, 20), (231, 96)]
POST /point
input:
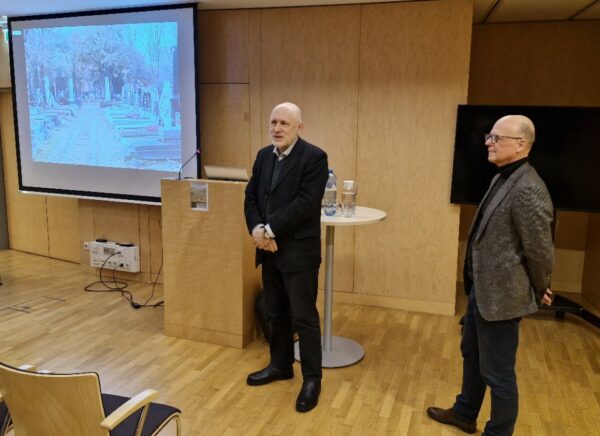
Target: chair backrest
[(52, 404)]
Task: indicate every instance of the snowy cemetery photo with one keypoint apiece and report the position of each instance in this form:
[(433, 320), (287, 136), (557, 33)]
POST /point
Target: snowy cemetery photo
[(105, 96)]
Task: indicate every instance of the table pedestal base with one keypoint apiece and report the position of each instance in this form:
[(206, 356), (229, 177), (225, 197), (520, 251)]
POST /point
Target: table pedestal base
[(344, 352)]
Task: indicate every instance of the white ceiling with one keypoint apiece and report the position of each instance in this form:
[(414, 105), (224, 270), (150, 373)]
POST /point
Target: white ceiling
[(488, 11)]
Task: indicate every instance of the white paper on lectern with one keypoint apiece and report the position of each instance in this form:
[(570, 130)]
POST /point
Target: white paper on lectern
[(199, 196)]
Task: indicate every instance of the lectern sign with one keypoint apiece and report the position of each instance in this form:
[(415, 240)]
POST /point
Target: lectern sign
[(199, 196)]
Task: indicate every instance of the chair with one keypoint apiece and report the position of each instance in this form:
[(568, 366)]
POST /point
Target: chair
[(50, 404), (5, 420)]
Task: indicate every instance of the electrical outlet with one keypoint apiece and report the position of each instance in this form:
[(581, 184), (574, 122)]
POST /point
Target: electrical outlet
[(86, 245), (111, 255)]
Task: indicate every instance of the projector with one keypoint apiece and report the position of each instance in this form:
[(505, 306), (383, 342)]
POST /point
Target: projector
[(111, 255)]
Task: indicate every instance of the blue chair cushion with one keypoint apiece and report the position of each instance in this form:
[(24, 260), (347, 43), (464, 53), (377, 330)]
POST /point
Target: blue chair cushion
[(4, 417), (157, 415)]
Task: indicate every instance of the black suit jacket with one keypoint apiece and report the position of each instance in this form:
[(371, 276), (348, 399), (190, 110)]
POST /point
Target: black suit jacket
[(292, 207)]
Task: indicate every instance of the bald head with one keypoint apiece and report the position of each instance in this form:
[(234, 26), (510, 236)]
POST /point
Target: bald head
[(285, 125), (510, 140), (521, 126), (291, 108)]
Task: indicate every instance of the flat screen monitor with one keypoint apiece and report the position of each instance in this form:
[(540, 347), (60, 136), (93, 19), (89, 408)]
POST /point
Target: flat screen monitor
[(566, 153), (104, 101)]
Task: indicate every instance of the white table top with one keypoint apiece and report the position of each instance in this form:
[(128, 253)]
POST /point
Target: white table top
[(363, 215)]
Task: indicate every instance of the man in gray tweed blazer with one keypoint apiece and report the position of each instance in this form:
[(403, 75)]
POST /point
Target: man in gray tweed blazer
[(507, 273)]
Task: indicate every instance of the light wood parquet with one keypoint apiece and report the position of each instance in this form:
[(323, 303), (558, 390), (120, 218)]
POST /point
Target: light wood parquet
[(412, 361)]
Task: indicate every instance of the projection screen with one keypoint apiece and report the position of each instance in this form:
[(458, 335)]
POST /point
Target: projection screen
[(105, 102)]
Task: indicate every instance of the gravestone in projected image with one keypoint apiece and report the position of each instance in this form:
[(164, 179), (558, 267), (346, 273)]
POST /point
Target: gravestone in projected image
[(105, 96)]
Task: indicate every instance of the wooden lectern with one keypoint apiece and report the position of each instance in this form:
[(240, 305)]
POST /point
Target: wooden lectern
[(210, 282)]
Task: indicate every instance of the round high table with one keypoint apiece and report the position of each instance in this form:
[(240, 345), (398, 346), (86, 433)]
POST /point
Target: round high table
[(338, 351)]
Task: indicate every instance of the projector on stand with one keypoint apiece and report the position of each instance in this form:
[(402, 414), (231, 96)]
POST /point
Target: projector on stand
[(112, 255)]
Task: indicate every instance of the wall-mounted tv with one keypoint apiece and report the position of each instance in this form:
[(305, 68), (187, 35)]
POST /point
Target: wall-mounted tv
[(104, 101), (566, 153)]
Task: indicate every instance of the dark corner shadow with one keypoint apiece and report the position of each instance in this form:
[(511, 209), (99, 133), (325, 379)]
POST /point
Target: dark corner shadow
[(566, 310)]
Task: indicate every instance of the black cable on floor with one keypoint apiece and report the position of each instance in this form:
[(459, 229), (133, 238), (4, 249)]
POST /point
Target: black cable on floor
[(120, 286), (160, 303)]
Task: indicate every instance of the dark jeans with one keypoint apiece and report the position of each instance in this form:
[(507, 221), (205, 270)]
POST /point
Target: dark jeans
[(290, 299), (489, 350)]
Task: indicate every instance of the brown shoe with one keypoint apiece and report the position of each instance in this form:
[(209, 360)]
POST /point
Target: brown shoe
[(451, 418)]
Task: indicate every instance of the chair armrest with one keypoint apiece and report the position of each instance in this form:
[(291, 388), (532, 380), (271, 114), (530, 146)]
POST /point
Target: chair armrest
[(27, 368), (128, 408)]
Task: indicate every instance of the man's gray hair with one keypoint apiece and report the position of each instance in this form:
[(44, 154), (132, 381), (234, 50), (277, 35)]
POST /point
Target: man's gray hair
[(292, 107)]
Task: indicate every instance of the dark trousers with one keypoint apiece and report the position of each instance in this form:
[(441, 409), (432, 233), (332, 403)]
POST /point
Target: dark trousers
[(489, 350), (290, 299)]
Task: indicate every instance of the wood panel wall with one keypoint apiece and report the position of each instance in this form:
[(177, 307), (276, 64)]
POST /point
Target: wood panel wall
[(413, 73), (26, 214), (545, 64), (319, 72), (378, 85), (4, 64), (364, 76)]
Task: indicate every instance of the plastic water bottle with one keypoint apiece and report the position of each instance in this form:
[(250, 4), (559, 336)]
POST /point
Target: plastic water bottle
[(330, 196)]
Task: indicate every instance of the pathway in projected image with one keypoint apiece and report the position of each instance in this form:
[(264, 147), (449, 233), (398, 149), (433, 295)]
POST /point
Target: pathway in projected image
[(118, 137)]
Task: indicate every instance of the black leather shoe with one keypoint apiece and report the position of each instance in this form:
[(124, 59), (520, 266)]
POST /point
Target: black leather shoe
[(269, 375), (450, 417), (308, 396)]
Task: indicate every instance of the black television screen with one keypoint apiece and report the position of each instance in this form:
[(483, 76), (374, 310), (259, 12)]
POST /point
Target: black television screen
[(104, 101), (566, 153)]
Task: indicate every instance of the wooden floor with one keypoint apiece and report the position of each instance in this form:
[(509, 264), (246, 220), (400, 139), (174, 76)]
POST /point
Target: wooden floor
[(412, 361)]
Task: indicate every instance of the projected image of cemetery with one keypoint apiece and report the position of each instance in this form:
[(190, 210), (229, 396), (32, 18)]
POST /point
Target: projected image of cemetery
[(105, 95)]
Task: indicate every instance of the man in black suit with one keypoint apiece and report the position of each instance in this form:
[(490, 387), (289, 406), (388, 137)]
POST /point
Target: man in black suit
[(283, 214)]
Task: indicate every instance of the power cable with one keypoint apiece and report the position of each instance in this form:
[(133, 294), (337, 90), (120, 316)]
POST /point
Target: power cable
[(120, 286)]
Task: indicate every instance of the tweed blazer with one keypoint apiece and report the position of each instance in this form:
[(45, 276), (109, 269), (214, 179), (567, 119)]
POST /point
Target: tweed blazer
[(512, 251), (291, 207)]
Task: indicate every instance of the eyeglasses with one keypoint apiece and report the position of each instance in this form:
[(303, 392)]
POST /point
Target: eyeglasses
[(495, 138)]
